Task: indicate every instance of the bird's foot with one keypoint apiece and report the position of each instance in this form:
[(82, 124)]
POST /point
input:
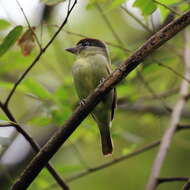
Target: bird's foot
[(82, 102), (102, 80)]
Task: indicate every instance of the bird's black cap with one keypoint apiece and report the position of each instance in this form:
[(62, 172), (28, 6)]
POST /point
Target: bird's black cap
[(91, 42)]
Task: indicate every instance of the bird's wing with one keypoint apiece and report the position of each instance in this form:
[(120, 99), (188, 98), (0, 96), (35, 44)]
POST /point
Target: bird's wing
[(114, 103)]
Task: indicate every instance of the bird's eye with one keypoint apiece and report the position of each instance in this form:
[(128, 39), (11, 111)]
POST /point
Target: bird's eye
[(86, 44)]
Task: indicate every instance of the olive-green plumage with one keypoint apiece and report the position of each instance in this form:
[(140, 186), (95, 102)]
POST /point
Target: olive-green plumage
[(92, 66)]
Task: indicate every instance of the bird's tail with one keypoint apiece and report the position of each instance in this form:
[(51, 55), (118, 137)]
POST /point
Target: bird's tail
[(107, 147)]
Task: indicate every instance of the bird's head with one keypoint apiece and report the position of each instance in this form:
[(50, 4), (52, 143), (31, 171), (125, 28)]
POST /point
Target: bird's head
[(88, 45)]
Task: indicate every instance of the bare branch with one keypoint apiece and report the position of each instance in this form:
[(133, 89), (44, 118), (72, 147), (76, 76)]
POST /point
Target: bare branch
[(29, 26), (33, 144), (109, 43), (109, 25), (124, 158), (110, 163), (141, 108), (58, 139), (172, 70), (175, 119), (186, 186), (137, 20), (167, 7), (39, 55), (170, 179), (148, 87)]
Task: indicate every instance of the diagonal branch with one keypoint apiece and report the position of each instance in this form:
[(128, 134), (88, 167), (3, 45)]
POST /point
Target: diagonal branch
[(33, 144), (39, 55), (28, 23), (175, 118), (108, 23), (123, 158), (81, 112), (167, 7), (186, 186), (137, 19)]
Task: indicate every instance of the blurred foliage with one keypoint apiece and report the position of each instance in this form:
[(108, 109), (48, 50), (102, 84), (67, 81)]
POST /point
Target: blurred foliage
[(10, 39), (147, 7), (47, 97), (52, 2)]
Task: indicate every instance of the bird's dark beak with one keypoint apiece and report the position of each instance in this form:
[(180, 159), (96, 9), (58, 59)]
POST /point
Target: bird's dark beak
[(73, 50)]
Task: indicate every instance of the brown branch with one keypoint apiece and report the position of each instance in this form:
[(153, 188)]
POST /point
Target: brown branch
[(170, 179), (175, 119), (123, 158), (107, 164), (186, 186), (39, 55), (63, 133), (33, 144)]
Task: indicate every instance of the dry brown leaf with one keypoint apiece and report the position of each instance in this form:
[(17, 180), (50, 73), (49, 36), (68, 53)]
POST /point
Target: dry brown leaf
[(27, 41)]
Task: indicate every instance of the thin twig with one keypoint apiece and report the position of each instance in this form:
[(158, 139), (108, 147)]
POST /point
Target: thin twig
[(33, 144), (175, 118), (137, 19), (82, 111), (172, 70), (38, 56), (109, 43), (167, 7), (107, 164), (108, 23), (120, 159), (79, 155), (29, 26), (170, 179), (149, 88)]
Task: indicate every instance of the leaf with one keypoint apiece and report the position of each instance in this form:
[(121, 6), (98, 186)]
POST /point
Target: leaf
[(10, 39), (128, 150), (115, 4), (91, 3), (37, 89), (27, 42), (147, 7), (52, 2), (40, 121), (4, 24)]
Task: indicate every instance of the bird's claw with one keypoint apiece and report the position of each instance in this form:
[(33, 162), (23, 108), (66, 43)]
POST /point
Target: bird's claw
[(102, 80), (82, 102)]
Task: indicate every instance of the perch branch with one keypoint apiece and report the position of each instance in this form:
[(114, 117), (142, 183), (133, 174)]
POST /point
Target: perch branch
[(33, 144), (81, 112)]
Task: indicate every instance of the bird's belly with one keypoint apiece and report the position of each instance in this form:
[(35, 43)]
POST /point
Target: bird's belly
[(84, 79)]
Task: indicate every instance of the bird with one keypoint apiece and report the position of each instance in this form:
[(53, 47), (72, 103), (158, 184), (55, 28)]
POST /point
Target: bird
[(91, 67)]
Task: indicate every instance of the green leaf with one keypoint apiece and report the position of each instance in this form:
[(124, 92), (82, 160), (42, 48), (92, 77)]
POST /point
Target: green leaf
[(115, 4), (128, 150), (10, 39), (37, 89), (91, 3), (40, 121), (52, 2), (147, 7), (4, 24)]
